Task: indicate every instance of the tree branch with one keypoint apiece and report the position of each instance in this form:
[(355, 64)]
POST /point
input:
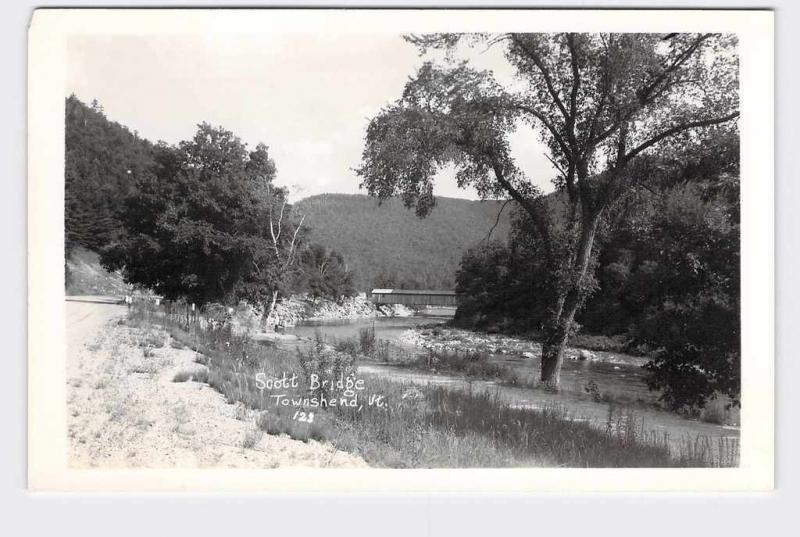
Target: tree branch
[(547, 123), (556, 166), (497, 222), (524, 202), (290, 255), (537, 60), (573, 98), (601, 104), (644, 93), (675, 130), (648, 93)]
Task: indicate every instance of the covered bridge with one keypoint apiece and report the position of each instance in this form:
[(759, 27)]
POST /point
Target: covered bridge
[(414, 297)]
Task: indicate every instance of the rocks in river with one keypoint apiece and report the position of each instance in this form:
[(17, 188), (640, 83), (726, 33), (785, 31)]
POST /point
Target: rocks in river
[(450, 339), (411, 337), (395, 310), (581, 355)]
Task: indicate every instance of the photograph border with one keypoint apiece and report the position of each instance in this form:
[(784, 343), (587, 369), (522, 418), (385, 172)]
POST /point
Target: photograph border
[(47, 438)]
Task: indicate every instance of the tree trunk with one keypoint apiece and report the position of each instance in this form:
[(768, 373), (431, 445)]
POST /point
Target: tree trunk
[(270, 310), (567, 306), (553, 356)]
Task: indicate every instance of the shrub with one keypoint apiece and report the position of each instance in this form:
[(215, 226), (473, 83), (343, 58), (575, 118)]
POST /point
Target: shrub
[(474, 364), (381, 350), (197, 375), (325, 363), (366, 340), (251, 439), (367, 345), (348, 346)]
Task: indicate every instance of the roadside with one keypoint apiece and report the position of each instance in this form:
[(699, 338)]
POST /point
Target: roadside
[(125, 410)]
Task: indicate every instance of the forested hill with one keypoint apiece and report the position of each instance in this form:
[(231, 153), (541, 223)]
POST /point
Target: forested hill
[(102, 159), (388, 245)]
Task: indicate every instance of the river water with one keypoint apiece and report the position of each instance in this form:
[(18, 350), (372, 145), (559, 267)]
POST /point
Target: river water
[(619, 375), (615, 373)]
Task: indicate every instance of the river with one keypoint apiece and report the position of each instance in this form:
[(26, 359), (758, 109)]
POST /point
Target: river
[(617, 374)]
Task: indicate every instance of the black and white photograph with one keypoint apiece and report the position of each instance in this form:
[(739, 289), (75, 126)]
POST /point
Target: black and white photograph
[(389, 243)]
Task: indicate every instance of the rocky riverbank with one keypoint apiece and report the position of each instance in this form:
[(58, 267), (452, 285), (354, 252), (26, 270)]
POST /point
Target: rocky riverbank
[(301, 308), (441, 338)]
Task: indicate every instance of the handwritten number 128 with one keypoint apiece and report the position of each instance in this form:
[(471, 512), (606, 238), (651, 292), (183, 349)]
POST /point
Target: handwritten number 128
[(304, 417)]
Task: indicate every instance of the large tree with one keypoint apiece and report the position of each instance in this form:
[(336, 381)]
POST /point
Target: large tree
[(602, 104)]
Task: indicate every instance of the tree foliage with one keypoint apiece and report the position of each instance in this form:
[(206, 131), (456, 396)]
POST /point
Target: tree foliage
[(201, 221), (325, 273), (202, 224), (693, 252), (101, 158)]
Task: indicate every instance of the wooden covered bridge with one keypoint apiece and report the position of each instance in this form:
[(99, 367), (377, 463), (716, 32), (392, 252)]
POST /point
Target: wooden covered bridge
[(414, 297)]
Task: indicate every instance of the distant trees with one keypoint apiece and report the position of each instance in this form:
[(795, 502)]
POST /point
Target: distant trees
[(325, 273), (392, 280), (601, 103), (384, 281), (502, 284), (387, 243)]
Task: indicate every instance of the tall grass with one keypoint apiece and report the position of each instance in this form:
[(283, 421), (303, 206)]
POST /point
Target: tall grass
[(473, 364), (367, 346), (423, 426), (366, 340)]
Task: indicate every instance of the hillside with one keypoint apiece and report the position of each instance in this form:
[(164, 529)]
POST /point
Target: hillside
[(102, 159), (388, 245), (85, 276)]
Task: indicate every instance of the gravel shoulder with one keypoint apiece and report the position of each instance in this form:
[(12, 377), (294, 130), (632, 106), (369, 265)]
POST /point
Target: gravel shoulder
[(124, 410)]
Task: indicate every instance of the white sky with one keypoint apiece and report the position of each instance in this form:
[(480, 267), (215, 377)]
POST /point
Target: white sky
[(309, 98)]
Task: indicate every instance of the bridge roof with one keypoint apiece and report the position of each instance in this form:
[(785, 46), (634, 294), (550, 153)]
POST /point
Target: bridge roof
[(412, 292)]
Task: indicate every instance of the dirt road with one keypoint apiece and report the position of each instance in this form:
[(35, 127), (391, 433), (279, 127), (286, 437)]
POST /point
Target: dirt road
[(124, 410)]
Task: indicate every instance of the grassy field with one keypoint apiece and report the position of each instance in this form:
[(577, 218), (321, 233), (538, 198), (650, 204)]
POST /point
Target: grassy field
[(402, 425)]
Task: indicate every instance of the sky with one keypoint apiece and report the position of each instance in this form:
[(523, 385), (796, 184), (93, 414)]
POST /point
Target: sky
[(308, 97)]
